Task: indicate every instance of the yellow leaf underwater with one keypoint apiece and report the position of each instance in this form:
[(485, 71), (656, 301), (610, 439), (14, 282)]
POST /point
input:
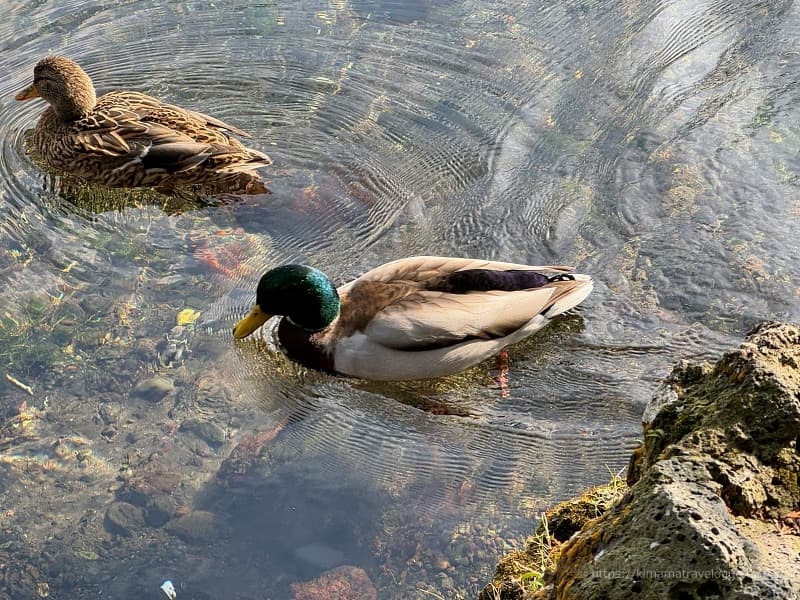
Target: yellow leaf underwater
[(187, 316)]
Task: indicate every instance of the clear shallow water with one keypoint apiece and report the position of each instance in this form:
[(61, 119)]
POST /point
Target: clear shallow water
[(652, 144)]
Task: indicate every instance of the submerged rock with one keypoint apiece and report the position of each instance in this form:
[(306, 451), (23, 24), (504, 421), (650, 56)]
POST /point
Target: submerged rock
[(720, 459), (320, 555), (159, 509), (341, 583), (211, 433), (197, 527), (153, 389), (124, 519)]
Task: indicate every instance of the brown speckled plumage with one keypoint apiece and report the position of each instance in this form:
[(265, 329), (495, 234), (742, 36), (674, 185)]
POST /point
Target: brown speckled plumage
[(129, 139)]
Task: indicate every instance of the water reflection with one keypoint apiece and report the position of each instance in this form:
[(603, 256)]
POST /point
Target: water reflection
[(651, 144)]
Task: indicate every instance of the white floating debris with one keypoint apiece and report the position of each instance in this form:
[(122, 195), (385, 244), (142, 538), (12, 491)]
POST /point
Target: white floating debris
[(169, 589)]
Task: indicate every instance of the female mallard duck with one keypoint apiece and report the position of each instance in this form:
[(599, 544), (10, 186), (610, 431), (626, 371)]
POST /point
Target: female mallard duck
[(128, 139), (414, 318)]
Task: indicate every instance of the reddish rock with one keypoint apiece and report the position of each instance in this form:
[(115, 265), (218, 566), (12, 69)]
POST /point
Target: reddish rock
[(246, 452), (341, 583)]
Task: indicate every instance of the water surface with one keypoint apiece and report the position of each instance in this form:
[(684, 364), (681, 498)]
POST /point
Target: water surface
[(652, 144)]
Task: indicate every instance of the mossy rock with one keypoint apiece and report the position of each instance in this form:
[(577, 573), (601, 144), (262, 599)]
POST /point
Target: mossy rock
[(568, 517), (720, 451), (520, 574), (744, 413)]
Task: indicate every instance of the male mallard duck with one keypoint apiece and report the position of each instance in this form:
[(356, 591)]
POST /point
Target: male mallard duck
[(413, 318), (128, 139)]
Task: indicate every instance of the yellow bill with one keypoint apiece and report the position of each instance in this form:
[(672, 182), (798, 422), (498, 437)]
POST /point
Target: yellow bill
[(255, 319)]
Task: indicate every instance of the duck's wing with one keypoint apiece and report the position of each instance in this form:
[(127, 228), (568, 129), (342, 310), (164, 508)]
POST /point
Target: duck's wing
[(145, 133), (199, 126), (423, 268), (116, 132), (432, 302), (210, 121), (229, 154)]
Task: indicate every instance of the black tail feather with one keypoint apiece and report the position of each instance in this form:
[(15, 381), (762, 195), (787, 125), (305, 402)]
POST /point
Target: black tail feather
[(484, 280)]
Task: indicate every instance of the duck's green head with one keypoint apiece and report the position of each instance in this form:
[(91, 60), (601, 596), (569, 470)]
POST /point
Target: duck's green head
[(303, 294)]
